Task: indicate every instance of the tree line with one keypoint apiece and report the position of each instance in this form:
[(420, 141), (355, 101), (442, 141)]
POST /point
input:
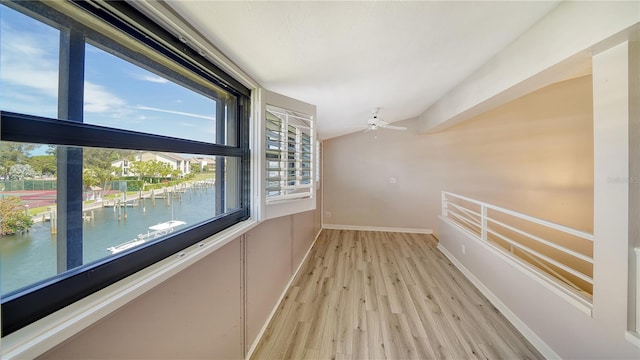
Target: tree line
[(16, 163)]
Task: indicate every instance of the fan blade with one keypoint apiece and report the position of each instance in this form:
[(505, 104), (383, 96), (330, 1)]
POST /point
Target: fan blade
[(391, 127)]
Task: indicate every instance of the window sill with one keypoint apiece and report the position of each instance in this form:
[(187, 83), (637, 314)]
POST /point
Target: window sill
[(41, 336), (284, 208), (633, 338)]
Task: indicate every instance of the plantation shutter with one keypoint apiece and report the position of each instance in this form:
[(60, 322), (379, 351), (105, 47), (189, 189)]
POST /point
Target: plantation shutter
[(289, 137), (290, 166)]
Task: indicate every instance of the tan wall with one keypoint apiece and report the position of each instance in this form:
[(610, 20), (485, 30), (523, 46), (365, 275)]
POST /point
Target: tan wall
[(198, 313), (570, 333), (533, 155), (275, 249), (193, 315)]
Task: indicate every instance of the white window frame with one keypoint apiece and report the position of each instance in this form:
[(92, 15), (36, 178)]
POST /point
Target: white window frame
[(290, 150), (304, 196), (318, 156)]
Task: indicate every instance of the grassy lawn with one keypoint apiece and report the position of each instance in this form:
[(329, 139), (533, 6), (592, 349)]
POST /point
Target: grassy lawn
[(203, 176)]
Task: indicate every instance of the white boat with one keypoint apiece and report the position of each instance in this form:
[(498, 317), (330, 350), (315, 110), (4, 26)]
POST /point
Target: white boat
[(154, 232), (166, 227)]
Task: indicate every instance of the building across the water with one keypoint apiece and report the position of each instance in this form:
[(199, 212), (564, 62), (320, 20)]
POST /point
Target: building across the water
[(174, 161)]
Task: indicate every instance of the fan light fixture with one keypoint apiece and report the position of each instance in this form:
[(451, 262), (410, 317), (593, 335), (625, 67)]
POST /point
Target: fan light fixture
[(374, 123)]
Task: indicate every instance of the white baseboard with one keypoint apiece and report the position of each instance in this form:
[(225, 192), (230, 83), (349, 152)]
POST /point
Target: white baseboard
[(376, 228), (569, 295), (255, 343), (534, 339)]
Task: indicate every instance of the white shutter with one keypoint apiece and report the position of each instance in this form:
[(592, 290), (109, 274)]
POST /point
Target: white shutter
[(289, 155), (290, 152)]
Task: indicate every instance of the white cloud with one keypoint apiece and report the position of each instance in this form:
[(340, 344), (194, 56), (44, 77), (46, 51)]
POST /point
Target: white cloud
[(141, 107), (155, 79), (97, 99), (27, 60), (29, 66), (186, 124)]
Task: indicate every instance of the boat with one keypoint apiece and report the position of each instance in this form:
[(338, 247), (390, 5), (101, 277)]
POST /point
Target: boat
[(154, 232)]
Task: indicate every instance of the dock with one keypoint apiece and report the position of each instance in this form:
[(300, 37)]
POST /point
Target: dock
[(120, 203)]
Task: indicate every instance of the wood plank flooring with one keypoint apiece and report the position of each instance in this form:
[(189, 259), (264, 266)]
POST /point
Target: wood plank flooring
[(375, 295)]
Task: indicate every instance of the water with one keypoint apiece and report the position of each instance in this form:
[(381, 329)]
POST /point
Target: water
[(31, 257)]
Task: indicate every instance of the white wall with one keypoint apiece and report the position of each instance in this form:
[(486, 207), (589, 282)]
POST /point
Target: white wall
[(552, 324), (612, 72), (568, 332), (557, 47), (533, 155)]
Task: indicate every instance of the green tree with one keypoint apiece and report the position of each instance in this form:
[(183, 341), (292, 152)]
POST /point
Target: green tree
[(152, 169), (195, 168), (140, 168), (12, 153), (105, 176), (21, 172), (89, 178), (44, 164), (156, 169), (102, 158), (13, 216), (164, 170), (95, 176)]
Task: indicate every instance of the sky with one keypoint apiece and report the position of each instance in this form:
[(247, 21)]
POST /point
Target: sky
[(117, 93)]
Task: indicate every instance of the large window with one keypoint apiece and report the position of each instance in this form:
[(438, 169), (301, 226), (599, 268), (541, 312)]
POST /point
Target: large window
[(119, 146)]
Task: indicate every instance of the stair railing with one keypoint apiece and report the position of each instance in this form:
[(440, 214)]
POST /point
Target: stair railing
[(503, 228)]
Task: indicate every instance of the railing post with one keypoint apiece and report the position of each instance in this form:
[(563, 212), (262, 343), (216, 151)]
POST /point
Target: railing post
[(444, 204), (470, 215), (483, 222)]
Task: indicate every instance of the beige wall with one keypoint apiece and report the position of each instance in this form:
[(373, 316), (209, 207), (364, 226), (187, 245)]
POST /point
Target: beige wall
[(275, 249), (199, 313), (570, 333), (193, 315), (533, 155)]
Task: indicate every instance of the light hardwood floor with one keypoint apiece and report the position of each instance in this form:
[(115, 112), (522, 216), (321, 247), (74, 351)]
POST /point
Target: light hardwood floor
[(374, 295)]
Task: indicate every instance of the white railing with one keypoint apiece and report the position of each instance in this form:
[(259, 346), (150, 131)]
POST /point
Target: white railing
[(560, 252)]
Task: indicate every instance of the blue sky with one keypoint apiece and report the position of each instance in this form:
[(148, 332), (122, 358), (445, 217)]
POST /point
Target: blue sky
[(117, 93)]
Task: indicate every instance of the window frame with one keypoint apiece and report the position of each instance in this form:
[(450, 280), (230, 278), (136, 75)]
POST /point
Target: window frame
[(23, 307), (291, 163), (270, 210)]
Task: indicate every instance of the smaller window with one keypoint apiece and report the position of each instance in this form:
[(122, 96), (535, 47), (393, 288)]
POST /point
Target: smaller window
[(290, 155)]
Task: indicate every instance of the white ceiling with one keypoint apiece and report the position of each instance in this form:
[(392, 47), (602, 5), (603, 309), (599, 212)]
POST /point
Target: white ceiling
[(350, 57)]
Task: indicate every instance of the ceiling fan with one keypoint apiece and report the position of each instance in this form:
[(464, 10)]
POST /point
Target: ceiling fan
[(375, 123)]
